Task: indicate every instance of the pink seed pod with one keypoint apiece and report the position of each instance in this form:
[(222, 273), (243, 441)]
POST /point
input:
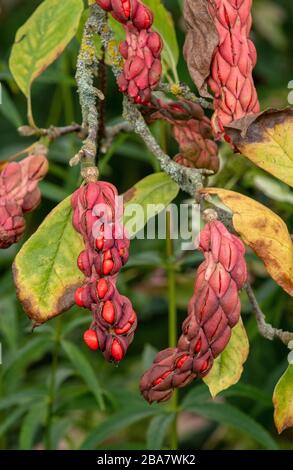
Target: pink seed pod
[(19, 193), (213, 311), (141, 50), (232, 64), (191, 129), (96, 216)]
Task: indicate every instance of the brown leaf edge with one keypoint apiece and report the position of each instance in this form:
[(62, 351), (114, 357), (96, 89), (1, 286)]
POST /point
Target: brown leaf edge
[(200, 42), (250, 128), (65, 302)]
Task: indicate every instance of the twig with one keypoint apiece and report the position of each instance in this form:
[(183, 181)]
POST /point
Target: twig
[(53, 132), (266, 329), (111, 132), (86, 68), (182, 90), (190, 180)]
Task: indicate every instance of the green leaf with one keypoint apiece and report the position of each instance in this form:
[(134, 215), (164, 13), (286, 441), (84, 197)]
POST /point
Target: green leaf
[(29, 353), (30, 425), (164, 25), (8, 108), (11, 419), (85, 370), (228, 367), (45, 270), (228, 415), (283, 401), (42, 39), (158, 429), (149, 196), (273, 189), (116, 423)]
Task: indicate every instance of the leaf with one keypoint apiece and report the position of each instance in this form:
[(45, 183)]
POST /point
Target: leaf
[(45, 270), (158, 429), (228, 415), (116, 423), (200, 42), (228, 367), (273, 189), (85, 370), (267, 140), (30, 425), (264, 231), (283, 401), (42, 38), (8, 108), (164, 25), (150, 196), (11, 419)]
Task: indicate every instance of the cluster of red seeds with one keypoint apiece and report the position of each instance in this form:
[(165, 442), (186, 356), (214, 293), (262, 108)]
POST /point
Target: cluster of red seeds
[(96, 216), (141, 50), (213, 311), (19, 193)]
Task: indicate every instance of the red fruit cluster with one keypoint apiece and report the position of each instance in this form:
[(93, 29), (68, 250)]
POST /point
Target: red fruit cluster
[(191, 129), (19, 193), (141, 50), (213, 311), (96, 216), (232, 63)]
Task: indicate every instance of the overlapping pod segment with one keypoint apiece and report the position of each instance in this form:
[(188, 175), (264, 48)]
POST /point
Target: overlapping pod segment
[(232, 64), (213, 311), (97, 217), (141, 50), (191, 129), (19, 193)]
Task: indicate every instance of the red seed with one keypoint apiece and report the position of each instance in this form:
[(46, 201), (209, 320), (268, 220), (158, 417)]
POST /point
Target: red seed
[(122, 331), (198, 346), (181, 361), (102, 288), (108, 312), (100, 243), (122, 252), (80, 263), (91, 339), (117, 351), (157, 381), (107, 255), (204, 366), (166, 374), (78, 297), (107, 267), (132, 319)]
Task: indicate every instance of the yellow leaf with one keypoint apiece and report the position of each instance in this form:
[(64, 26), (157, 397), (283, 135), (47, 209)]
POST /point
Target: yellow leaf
[(228, 367), (283, 401), (268, 141), (264, 231)]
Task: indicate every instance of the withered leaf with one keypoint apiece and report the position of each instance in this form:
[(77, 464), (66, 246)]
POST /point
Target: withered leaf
[(200, 42), (267, 140)]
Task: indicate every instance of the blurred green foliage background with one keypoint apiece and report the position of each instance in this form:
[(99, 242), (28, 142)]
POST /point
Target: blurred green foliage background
[(48, 379)]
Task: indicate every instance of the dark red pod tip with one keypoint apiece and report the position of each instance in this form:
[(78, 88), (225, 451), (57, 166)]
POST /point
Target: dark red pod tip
[(91, 339)]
